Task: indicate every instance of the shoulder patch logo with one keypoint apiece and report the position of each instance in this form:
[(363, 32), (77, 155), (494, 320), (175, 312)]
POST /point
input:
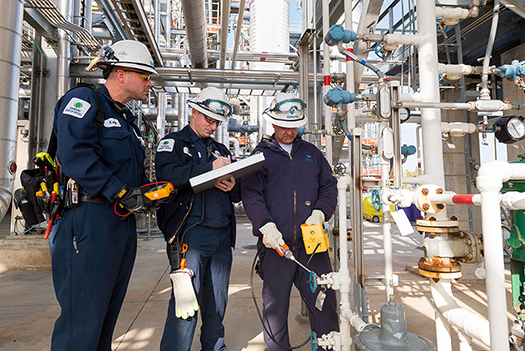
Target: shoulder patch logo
[(76, 107), (112, 123), (166, 145)]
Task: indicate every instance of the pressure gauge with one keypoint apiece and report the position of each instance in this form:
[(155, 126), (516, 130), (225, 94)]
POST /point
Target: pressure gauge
[(510, 129), (404, 114)]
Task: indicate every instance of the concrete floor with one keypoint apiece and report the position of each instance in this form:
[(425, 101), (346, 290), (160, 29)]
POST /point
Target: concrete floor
[(28, 307)]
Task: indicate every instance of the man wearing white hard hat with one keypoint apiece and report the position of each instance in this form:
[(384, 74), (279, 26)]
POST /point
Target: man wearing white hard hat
[(199, 228), (294, 186), (100, 150)]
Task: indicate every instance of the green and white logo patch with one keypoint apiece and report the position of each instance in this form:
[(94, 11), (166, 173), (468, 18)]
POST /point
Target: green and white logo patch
[(77, 108), (166, 145)]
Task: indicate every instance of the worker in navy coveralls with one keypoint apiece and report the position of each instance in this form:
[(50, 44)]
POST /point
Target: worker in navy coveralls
[(93, 249), (204, 221), (294, 186)]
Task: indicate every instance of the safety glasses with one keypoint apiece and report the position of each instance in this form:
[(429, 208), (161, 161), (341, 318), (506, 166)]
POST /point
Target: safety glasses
[(145, 76), (289, 106), (216, 106), (212, 121)]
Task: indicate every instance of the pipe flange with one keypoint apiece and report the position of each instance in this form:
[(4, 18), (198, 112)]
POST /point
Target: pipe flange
[(422, 199), (438, 265), (438, 275), (437, 227)]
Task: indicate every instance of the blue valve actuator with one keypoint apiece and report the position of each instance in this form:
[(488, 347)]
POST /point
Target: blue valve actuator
[(337, 33), (336, 96), (301, 130), (408, 149), (513, 71)]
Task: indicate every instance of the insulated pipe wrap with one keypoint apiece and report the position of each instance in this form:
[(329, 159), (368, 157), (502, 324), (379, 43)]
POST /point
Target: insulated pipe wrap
[(11, 18)]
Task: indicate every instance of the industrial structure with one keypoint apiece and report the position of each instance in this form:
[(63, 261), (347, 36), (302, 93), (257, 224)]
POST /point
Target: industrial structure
[(454, 69)]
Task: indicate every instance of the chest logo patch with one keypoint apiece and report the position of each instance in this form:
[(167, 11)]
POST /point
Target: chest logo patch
[(309, 158), (77, 108), (111, 123), (166, 145)]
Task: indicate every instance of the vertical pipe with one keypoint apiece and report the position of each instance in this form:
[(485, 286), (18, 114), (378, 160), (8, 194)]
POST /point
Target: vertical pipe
[(11, 18), (88, 14), (349, 66), (315, 114), (326, 72), (495, 281), (225, 21), (429, 92), (161, 114), (156, 19), (240, 22), (396, 128), (344, 273), (387, 226), (64, 51), (169, 23), (357, 223)]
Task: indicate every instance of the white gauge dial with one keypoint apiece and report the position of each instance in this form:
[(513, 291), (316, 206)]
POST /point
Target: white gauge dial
[(516, 128)]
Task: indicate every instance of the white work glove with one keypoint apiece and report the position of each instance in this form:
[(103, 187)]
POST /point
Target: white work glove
[(316, 217), (272, 237), (185, 300)]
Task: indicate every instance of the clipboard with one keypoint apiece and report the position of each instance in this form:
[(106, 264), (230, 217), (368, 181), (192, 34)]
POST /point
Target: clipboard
[(237, 169)]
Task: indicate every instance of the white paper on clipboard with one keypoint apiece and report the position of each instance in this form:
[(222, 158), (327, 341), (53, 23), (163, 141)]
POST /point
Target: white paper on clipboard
[(237, 169)]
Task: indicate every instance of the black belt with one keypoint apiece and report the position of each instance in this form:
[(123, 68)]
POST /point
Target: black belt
[(87, 198)]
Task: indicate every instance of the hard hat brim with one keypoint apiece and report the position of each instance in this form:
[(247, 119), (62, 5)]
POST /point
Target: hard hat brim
[(208, 113), (283, 123), (137, 66)]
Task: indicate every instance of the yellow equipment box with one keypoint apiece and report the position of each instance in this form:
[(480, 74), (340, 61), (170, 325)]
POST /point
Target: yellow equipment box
[(314, 235)]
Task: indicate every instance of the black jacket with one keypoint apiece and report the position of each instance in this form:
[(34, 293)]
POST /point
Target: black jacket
[(174, 162)]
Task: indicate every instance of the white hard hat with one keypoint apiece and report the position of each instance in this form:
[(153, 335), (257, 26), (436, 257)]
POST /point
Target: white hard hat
[(213, 103), (128, 53), (286, 111)]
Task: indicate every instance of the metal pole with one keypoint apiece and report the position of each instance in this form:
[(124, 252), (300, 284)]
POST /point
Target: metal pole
[(64, 51)]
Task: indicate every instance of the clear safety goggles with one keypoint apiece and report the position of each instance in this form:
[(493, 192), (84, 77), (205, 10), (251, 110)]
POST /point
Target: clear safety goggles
[(216, 106), (289, 106)]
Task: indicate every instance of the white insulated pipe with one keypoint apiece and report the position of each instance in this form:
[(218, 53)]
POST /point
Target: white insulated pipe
[(11, 18), (472, 324), (429, 91), (346, 314), (327, 111), (456, 71), (489, 183)]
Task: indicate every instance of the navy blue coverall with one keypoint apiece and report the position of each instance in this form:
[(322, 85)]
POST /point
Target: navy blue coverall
[(206, 223), (286, 191), (93, 250)]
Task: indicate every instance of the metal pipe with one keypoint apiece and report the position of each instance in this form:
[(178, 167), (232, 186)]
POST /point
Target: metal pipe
[(225, 21), (472, 324), (489, 182), (11, 18), (485, 92), (344, 273), (387, 226), (357, 223), (161, 115), (196, 31), (428, 77), (396, 128), (63, 51), (240, 21), (326, 71)]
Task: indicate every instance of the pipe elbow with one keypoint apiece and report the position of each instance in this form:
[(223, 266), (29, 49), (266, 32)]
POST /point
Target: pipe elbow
[(492, 175)]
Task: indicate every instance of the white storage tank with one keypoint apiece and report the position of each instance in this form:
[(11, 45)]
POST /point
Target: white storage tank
[(269, 30)]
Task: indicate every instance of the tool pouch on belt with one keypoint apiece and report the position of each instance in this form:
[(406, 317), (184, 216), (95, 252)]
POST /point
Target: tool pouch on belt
[(25, 199)]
